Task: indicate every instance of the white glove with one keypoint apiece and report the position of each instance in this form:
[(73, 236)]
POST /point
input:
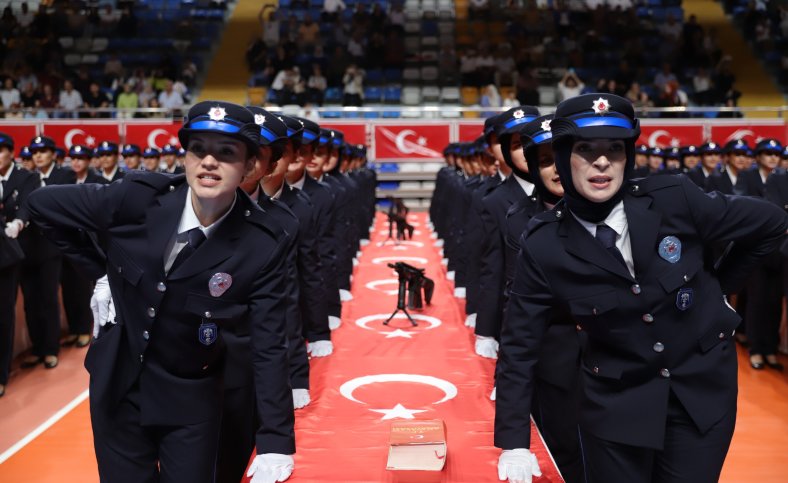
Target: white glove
[(470, 321), (12, 228), (270, 468), (300, 398), (518, 466), (459, 292), (345, 295), (363, 242), (358, 252), (102, 305), (444, 262), (334, 322), (320, 348), (493, 393), (487, 346), (355, 262), (450, 275)]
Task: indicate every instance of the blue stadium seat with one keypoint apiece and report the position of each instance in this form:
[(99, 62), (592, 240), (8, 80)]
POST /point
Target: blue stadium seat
[(373, 94), (391, 114), (331, 114), (374, 76), (392, 95), (333, 95)]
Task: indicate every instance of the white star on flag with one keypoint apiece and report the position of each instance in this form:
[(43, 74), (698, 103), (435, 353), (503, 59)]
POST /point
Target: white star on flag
[(90, 141), (398, 333), (601, 106), (217, 114), (173, 141), (422, 141), (398, 411)]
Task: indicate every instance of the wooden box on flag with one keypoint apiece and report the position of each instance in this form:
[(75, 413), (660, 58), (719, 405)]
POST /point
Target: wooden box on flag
[(418, 445)]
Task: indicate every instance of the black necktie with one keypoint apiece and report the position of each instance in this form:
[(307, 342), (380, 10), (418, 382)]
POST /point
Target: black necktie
[(607, 237), (195, 239)]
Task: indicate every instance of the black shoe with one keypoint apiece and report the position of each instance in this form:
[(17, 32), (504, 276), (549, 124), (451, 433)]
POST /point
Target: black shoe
[(28, 363), (776, 365), (83, 340), (756, 365), (69, 341), (52, 363)]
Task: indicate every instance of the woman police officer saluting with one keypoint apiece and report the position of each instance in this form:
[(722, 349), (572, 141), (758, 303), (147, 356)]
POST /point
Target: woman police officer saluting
[(629, 260)]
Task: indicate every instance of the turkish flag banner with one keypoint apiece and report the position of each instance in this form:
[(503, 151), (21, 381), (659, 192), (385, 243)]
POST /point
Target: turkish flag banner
[(670, 135), (752, 133), (410, 141), (20, 133), (86, 134), (469, 131), (152, 135), (354, 133)]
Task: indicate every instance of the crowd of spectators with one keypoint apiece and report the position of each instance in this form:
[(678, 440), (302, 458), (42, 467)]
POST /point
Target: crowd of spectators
[(37, 82), (765, 25), (299, 60)]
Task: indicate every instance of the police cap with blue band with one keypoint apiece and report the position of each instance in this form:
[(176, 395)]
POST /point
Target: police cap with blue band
[(658, 152), (512, 120), (60, 153), (326, 136), (219, 117), (643, 150), (771, 146), (169, 149), (534, 134), (294, 128), (131, 150), (273, 131), (78, 151), (737, 146), (710, 148), (311, 131), (690, 151), (7, 141), (490, 124), (337, 139), (596, 116), (107, 147), (25, 153), (40, 143), (673, 153), (151, 153)]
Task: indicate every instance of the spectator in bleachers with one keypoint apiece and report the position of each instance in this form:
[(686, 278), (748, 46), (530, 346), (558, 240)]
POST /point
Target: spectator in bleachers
[(108, 18), (468, 61), (672, 96), (724, 79), (269, 25), (332, 9), (703, 87), (340, 60), (170, 98), (308, 34), (113, 67), (70, 100), (153, 103), (48, 99), (25, 17), (671, 29), (485, 65), (490, 98), (356, 46), (510, 100), (316, 85), (637, 97), (284, 84), (396, 17), (664, 76), (128, 99), (570, 85), (9, 95), (146, 94), (96, 99), (29, 97), (353, 80), (377, 18)]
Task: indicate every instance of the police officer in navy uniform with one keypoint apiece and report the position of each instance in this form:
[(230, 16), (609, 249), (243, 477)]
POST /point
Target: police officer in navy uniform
[(40, 272), (709, 163), (190, 261), (26, 159), (169, 156), (151, 158), (76, 288), (727, 180), (493, 272), (132, 156), (16, 184), (658, 372), (107, 152)]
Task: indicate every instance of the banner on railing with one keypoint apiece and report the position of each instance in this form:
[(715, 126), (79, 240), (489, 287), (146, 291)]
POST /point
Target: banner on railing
[(354, 133), (87, 134), (147, 135), (410, 141)]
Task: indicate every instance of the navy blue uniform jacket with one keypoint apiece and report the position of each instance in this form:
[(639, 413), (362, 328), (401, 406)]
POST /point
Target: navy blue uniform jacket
[(626, 376), (156, 340)]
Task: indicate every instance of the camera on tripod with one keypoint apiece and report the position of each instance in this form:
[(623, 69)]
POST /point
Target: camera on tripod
[(413, 282)]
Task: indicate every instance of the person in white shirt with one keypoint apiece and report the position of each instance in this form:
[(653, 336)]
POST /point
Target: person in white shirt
[(10, 95), (70, 100), (570, 85), (354, 86), (169, 98)]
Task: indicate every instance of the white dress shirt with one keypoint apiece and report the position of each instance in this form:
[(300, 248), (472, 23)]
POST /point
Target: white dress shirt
[(732, 177), (617, 220), (5, 177), (300, 183), (527, 186), (188, 221), (46, 175)]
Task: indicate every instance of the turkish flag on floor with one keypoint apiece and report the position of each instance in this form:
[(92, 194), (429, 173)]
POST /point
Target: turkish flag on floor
[(379, 374)]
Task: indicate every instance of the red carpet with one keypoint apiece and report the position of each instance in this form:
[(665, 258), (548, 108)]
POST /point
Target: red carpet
[(379, 373)]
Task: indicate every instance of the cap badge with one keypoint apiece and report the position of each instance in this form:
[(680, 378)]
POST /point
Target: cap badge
[(217, 114), (546, 125), (601, 106), (518, 114), (670, 249), (259, 119)]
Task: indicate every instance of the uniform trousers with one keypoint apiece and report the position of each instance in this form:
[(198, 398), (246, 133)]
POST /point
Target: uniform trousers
[(236, 437), (77, 291), (9, 285), (39, 282), (687, 456), (130, 452), (764, 310), (554, 410)]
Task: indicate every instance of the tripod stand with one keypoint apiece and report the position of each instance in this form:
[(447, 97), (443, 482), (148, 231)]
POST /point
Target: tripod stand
[(392, 222), (401, 305)]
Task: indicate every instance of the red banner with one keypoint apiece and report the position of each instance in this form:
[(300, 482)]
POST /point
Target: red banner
[(152, 135), (21, 133), (467, 132), (90, 135), (413, 141), (750, 133), (354, 133), (667, 136)]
